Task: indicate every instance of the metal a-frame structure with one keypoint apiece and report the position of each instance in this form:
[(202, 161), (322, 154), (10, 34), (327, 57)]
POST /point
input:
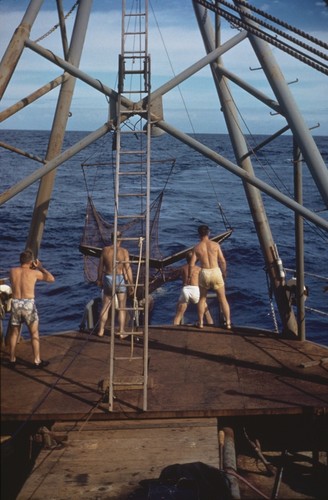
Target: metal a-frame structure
[(209, 16)]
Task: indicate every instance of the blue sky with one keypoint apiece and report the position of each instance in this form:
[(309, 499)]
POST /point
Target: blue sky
[(182, 47)]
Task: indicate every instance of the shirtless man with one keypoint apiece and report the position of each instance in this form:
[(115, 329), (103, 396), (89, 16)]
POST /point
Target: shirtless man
[(105, 280), (23, 309), (190, 292), (212, 275)]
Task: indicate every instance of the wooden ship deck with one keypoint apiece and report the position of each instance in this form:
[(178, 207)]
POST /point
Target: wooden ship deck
[(200, 382)]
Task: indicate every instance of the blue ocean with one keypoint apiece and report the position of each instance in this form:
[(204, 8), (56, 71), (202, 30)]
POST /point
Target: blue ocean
[(197, 191)]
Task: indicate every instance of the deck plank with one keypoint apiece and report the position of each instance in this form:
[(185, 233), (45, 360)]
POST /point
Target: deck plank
[(192, 373), (109, 462), (198, 380)]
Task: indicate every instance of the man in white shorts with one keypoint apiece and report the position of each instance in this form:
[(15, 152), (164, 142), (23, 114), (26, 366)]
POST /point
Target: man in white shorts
[(190, 292)]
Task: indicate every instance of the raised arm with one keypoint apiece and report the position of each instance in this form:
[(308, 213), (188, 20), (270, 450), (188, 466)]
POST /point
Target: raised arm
[(43, 273)]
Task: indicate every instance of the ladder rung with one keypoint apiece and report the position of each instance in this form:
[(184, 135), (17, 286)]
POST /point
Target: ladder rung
[(130, 238), (132, 112), (132, 216), (131, 334), (135, 14), (134, 33), (131, 386), (139, 285), (132, 152), (128, 195), (134, 358), (137, 162), (133, 54), (127, 152), (134, 71), (141, 91), (129, 309), (129, 112), (141, 172), (138, 379)]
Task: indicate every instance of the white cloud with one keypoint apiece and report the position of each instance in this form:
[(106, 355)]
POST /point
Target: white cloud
[(183, 47)]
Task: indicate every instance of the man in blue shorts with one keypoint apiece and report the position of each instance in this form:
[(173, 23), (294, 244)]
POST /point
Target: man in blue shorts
[(124, 277)]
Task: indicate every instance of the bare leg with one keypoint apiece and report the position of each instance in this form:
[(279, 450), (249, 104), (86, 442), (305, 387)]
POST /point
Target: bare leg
[(121, 313), (107, 301), (181, 309), (202, 306), (14, 333), (208, 316), (35, 340), (224, 305)]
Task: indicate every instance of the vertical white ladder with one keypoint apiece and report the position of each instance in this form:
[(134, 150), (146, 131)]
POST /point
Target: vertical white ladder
[(132, 191)]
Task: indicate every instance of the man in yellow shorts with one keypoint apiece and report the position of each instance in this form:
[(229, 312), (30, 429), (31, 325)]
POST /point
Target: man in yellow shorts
[(212, 275)]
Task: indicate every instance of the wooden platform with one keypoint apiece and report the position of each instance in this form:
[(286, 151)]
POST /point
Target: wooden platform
[(192, 373), (109, 461), (199, 382)]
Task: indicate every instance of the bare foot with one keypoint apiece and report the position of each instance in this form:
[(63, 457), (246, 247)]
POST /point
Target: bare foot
[(122, 335)]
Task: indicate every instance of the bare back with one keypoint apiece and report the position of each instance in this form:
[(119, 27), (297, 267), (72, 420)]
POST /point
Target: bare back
[(209, 254), (194, 275), (23, 281), (122, 255)]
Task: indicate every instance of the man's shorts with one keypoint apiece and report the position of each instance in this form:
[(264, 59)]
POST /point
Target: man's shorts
[(23, 311), (211, 279), (108, 284), (189, 293)]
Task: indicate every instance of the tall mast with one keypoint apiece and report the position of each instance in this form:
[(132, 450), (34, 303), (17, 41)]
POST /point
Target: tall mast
[(269, 249)]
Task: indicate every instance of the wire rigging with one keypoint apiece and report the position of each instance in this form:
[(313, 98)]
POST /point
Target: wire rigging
[(244, 24), (226, 223), (278, 21)]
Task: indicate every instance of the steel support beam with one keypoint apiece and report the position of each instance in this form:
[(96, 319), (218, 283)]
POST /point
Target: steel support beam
[(53, 164), (291, 112), (58, 128), (202, 63), (299, 243), (6, 113), (16, 45), (253, 195), (234, 169)]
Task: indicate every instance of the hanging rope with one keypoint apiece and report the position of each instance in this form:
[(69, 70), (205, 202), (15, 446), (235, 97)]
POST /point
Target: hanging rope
[(226, 223), (137, 278), (273, 313)]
